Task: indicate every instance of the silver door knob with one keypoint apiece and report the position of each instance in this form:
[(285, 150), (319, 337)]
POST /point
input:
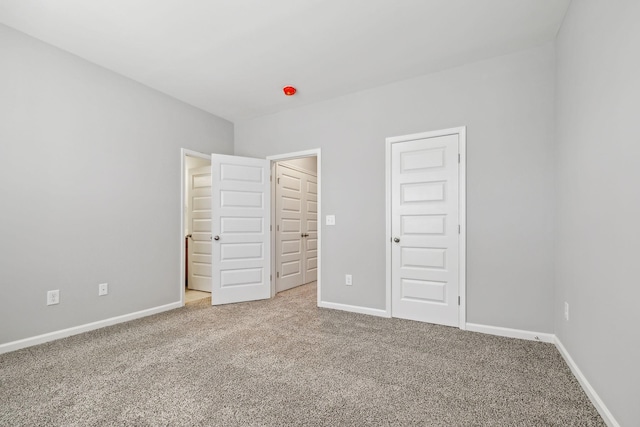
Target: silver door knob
[(396, 239), (216, 238)]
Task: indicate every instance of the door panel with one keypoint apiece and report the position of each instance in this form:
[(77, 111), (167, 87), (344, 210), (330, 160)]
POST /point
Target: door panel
[(199, 227), (236, 251), (230, 225), (289, 214), (241, 255), (296, 228), (311, 221), (425, 211)]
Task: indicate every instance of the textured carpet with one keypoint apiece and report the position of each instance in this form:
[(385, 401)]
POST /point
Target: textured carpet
[(285, 362)]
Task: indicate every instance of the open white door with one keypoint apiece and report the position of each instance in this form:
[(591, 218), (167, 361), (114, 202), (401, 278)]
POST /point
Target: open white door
[(240, 229)]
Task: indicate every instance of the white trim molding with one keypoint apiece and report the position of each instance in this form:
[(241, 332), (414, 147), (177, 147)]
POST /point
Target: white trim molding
[(511, 333), (56, 335), (354, 309), (597, 402), (602, 409)]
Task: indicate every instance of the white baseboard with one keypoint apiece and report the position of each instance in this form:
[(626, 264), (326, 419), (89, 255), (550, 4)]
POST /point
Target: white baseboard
[(354, 308), (51, 336), (551, 338), (511, 333), (591, 393)]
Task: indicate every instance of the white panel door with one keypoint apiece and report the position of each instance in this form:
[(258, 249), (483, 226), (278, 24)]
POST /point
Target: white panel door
[(424, 227), (296, 228), (240, 228), (311, 229), (199, 228), (289, 228)]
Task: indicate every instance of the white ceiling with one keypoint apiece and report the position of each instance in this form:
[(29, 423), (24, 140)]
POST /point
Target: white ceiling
[(232, 57)]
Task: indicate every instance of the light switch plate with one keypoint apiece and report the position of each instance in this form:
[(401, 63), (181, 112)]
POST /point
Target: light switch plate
[(331, 220)]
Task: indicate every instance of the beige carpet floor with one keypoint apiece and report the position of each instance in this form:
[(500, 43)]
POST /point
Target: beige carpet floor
[(284, 362)]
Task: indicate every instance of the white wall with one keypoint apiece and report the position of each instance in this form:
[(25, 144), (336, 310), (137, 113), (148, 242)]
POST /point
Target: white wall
[(195, 162), (598, 203), (507, 104), (99, 197), (307, 163)]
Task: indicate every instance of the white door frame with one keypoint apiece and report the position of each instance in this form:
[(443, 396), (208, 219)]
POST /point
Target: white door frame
[(184, 152), (462, 268), (290, 156)]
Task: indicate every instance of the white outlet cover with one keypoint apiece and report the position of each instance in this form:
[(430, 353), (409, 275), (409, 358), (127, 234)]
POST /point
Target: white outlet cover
[(103, 289), (53, 297), (331, 220)]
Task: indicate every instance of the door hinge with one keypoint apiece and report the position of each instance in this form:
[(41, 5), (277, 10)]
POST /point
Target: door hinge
[(458, 228), (458, 157), (271, 277), (278, 180), (271, 228), (278, 274), (458, 299), (270, 177), (278, 227)]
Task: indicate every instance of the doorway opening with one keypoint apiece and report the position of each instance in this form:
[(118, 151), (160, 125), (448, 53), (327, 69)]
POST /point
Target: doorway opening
[(229, 230), (295, 227), (196, 227), (295, 222)]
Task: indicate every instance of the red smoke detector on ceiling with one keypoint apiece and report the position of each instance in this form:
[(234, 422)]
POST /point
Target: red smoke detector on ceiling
[(289, 90)]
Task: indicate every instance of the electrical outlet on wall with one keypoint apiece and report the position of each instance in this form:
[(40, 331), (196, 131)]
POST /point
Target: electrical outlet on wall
[(103, 289), (348, 280), (53, 297), (566, 310)]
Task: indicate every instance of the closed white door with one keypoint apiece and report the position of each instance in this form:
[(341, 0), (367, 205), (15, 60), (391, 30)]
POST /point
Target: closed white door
[(240, 227), (425, 229), (199, 228), (289, 228), (310, 268), (296, 228)]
